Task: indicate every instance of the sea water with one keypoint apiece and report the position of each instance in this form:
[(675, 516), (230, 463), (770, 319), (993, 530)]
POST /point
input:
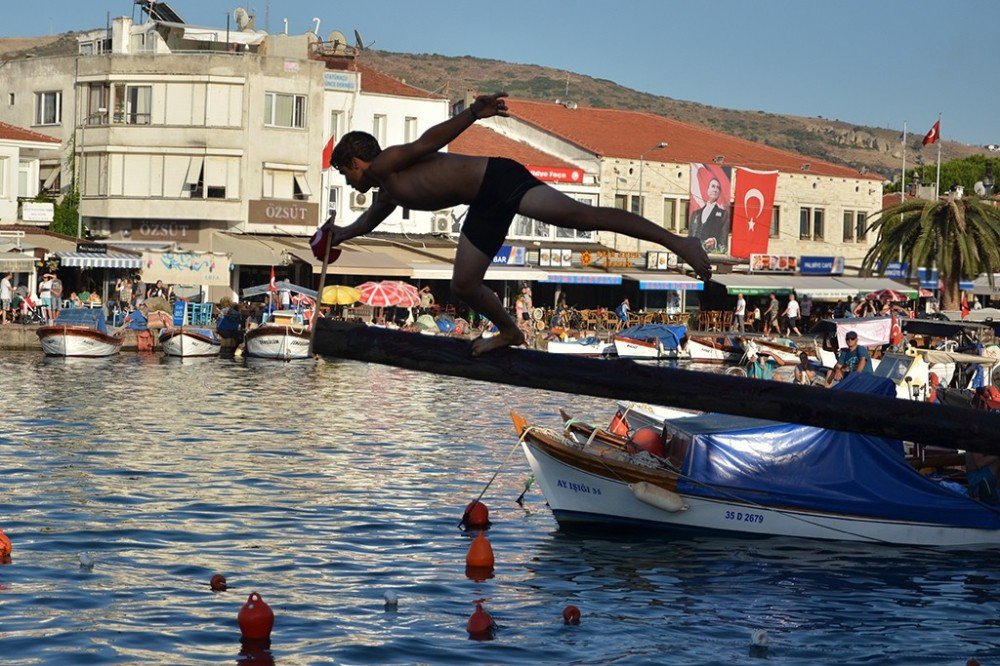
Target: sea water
[(126, 483)]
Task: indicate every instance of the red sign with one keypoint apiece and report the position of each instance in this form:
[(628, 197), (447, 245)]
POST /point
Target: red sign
[(557, 174)]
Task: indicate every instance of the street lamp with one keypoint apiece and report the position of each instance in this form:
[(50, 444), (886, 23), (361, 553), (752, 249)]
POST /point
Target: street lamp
[(83, 169), (642, 160)]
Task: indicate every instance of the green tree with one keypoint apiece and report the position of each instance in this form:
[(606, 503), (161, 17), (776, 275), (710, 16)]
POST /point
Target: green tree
[(66, 216), (959, 237), (965, 172)]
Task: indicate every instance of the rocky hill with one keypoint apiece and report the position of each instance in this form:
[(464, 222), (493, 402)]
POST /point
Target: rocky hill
[(875, 149)]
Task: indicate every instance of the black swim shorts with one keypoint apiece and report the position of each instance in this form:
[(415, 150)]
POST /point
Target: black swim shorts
[(504, 185)]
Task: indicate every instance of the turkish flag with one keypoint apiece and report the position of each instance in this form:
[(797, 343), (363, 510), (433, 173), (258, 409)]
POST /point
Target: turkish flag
[(934, 134), (752, 206), (272, 287), (965, 305), (327, 153), (896, 332)]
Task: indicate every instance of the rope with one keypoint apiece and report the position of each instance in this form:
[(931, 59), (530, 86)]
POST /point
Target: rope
[(524, 434)]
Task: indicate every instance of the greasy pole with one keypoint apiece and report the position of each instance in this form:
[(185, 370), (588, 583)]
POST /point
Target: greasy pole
[(618, 379)]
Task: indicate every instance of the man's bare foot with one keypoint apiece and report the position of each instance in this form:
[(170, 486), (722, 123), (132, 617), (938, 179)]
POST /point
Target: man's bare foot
[(690, 250), (483, 345)]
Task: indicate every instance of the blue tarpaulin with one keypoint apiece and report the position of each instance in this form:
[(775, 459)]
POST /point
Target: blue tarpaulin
[(796, 466), (89, 317), (669, 335)]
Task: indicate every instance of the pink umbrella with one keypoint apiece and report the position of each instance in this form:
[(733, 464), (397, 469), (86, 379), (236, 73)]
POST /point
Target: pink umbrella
[(407, 295), (378, 294), (890, 295)]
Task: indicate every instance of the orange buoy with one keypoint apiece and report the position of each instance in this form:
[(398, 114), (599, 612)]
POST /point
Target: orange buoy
[(477, 515), (649, 440), (256, 619), (481, 625), (571, 615), (480, 555), (6, 547), (218, 583)]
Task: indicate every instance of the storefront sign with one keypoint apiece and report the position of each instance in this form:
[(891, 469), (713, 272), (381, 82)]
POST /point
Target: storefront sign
[(614, 259), (340, 81), (263, 211), (555, 257), (895, 269), (179, 232), (557, 174), (194, 268), (821, 265), (32, 211), (773, 263), (660, 261), (511, 255), (91, 248)]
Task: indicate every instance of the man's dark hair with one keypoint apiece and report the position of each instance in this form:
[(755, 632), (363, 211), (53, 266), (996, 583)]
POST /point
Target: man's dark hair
[(361, 145)]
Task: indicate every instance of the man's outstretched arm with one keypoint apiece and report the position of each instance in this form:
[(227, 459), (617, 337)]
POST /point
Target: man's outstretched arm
[(365, 224)]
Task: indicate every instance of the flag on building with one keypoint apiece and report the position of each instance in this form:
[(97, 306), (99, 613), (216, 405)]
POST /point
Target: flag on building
[(272, 287), (752, 207), (327, 153), (934, 134)]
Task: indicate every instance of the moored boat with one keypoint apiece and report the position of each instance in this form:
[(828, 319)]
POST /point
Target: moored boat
[(284, 337), (592, 346), (189, 341), (651, 341), (79, 332)]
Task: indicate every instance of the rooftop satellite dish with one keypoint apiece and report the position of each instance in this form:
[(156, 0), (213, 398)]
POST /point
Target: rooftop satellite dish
[(979, 188), (242, 18), (338, 39), (360, 43)]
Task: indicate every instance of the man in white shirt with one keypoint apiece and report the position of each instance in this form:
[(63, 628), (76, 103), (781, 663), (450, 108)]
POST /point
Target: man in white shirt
[(6, 295), (792, 312), (740, 313)]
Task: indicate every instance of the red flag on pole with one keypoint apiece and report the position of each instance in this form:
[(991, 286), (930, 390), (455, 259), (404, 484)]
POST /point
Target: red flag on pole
[(965, 305), (272, 287), (934, 134), (895, 332), (752, 206), (327, 153)]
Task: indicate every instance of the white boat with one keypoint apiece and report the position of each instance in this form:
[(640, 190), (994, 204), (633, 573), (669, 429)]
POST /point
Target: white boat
[(706, 349), (189, 341), (284, 337), (652, 341), (591, 346), (736, 476), (79, 332)]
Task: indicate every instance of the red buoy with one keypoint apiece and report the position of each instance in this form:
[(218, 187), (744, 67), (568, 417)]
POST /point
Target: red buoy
[(6, 547), (256, 619), (481, 625), (477, 515), (571, 615), (649, 440), (218, 583), (480, 555)]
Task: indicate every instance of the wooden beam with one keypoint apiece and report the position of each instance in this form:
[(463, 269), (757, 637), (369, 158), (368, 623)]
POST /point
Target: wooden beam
[(618, 379)]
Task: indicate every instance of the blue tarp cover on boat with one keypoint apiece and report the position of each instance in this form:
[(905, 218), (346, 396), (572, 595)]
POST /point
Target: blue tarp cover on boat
[(669, 335), (89, 317), (786, 465)]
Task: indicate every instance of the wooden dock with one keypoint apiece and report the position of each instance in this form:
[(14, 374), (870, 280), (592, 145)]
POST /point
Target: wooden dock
[(617, 379)]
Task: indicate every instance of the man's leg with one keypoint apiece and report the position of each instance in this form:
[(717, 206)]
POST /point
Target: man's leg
[(467, 283), (549, 205)]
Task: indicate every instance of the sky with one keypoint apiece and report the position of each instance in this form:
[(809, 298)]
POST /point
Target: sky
[(869, 62)]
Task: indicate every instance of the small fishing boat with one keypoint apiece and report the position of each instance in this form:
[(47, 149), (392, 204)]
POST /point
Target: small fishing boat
[(189, 341), (80, 332), (591, 346), (736, 476), (706, 349), (284, 337), (651, 341)]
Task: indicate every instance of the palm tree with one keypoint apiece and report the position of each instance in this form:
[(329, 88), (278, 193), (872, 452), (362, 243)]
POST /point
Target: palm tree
[(958, 236)]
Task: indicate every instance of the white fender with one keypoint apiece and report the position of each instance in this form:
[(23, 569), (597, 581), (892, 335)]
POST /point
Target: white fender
[(659, 497)]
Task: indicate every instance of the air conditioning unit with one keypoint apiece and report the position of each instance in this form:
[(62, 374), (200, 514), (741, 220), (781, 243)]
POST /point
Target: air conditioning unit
[(441, 223), (361, 200)]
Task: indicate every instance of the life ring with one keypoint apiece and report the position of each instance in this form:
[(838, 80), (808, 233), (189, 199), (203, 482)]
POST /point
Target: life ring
[(537, 314), (539, 325)]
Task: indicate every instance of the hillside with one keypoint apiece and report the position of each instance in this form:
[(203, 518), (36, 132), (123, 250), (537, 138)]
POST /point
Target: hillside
[(875, 149)]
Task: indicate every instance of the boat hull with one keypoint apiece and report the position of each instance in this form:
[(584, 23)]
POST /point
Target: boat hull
[(77, 341), (581, 494), (708, 350), (186, 343), (276, 341), (580, 348)]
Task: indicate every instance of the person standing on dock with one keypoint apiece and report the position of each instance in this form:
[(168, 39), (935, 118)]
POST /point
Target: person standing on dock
[(740, 313)]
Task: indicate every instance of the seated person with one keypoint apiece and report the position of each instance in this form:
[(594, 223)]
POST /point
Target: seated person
[(762, 364), (75, 301), (983, 470), (854, 358), (803, 373)]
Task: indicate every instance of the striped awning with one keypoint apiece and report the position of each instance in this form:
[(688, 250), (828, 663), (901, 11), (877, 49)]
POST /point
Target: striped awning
[(658, 281), (109, 260), (582, 278)]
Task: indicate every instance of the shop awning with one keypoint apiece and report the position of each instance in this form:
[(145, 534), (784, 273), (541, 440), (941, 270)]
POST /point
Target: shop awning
[(755, 285), (821, 287), (109, 260), (515, 273), (660, 281), (981, 285), (352, 262), (581, 278), (431, 270), (247, 250), (867, 285), (16, 263)]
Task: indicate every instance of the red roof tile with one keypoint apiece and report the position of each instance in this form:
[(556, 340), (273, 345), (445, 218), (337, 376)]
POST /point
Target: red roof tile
[(627, 134), (481, 141), (375, 82), (14, 133)]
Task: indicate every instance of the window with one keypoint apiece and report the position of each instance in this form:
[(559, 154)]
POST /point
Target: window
[(3, 176), (331, 206), (48, 108), (336, 125), (620, 201), (636, 204), (410, 129), (138, 105), (10, 99), (862, 227), (811, 224), (300, 189), (23, 171), (670, 214), (281, 110), (98, 96), (848, 226), (685, 215), (379, 122), (775, 221)]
